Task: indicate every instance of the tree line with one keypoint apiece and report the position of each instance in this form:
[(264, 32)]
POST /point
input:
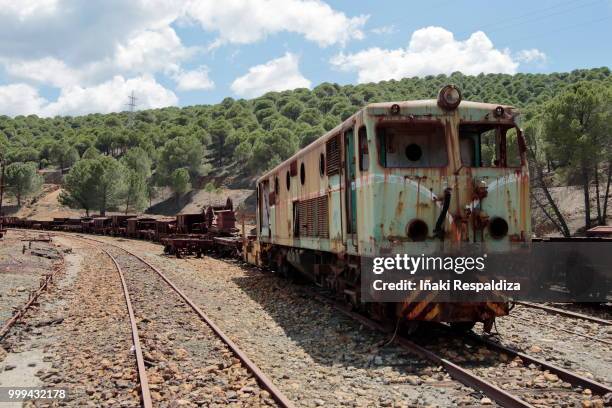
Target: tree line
[(177, 147)]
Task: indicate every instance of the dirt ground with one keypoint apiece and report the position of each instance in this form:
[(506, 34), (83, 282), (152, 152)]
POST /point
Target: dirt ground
[(79, 336), (20, 273)]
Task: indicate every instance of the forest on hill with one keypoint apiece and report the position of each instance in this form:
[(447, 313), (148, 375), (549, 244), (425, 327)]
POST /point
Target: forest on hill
[(118, 160)]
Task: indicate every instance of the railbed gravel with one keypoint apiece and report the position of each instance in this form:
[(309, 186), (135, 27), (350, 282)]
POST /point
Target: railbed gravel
[(187, 364), (527, 381), (83, 330), (524, 330), (315, 355)]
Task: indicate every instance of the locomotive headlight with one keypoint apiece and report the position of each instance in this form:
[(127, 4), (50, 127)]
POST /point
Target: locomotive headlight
[(499, 112), (449, 97)]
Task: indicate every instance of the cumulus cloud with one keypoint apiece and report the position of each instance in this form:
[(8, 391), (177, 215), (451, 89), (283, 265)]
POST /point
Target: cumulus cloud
[(109, 96), (79, 32), (82, 47), (275, 75), (48, 70), (57, 43), (529, 56), (244, 22), (152, 50), (25, 8), (431, 51), (20, 99), (196, 79)]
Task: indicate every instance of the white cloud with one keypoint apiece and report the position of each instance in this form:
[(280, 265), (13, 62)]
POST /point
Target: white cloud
[(86, 49), (151, 50), (25, 8), (244, 22), (20, 99), (431, 51), (196, 79), (79, 32), (532, 55), (384, 30), (275, 75), (46, 70), (111, 96)]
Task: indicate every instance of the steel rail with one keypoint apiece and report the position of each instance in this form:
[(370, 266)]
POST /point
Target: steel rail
[(145, 392), (586, 336), (572, 378), (462, 375), (566, 312), (32, 297), (262, 378)]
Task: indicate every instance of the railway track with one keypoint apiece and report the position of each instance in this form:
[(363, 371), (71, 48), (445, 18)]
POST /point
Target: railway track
[(565, 312), (460, 369), (514, 397), (44, 283), (166, 335), (573, 332)]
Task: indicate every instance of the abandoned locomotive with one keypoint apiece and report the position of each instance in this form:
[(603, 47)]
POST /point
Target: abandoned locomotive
[(444, 172)]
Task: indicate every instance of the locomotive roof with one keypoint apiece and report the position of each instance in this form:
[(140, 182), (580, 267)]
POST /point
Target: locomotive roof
[(425, 107)]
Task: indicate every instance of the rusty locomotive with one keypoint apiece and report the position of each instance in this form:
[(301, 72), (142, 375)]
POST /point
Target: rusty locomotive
[(447, 172)]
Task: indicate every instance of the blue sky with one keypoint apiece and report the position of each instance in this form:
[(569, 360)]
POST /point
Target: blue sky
[(72, 57)]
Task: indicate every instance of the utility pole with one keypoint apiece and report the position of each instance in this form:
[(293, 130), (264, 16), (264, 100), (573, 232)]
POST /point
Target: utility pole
[(131, 108)]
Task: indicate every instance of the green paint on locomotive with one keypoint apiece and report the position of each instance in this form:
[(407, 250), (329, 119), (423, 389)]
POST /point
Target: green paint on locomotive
[(387, 199)]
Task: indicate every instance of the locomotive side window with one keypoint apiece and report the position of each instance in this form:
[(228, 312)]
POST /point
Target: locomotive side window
[(322, 165), (489, 145), (302, 174), (412, 145), (364, 157)]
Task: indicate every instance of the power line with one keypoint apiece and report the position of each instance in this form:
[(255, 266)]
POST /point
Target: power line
[(540, 18), (595, 21), (534, 14), (528, 14)]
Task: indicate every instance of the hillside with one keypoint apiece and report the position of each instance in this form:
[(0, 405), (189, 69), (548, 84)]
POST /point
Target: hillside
[(154, 154), (246, 137)]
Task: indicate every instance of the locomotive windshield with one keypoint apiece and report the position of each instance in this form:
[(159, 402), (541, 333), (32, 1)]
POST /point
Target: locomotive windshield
[(412, 145), (489, 145)]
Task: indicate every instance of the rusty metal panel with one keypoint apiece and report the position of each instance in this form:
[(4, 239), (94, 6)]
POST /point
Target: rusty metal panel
[(322, 217), (332, 151), (313, 217), (293, 168)]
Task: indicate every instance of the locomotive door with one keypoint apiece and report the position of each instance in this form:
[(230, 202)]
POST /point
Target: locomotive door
[(350, 187), (264, 209)]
